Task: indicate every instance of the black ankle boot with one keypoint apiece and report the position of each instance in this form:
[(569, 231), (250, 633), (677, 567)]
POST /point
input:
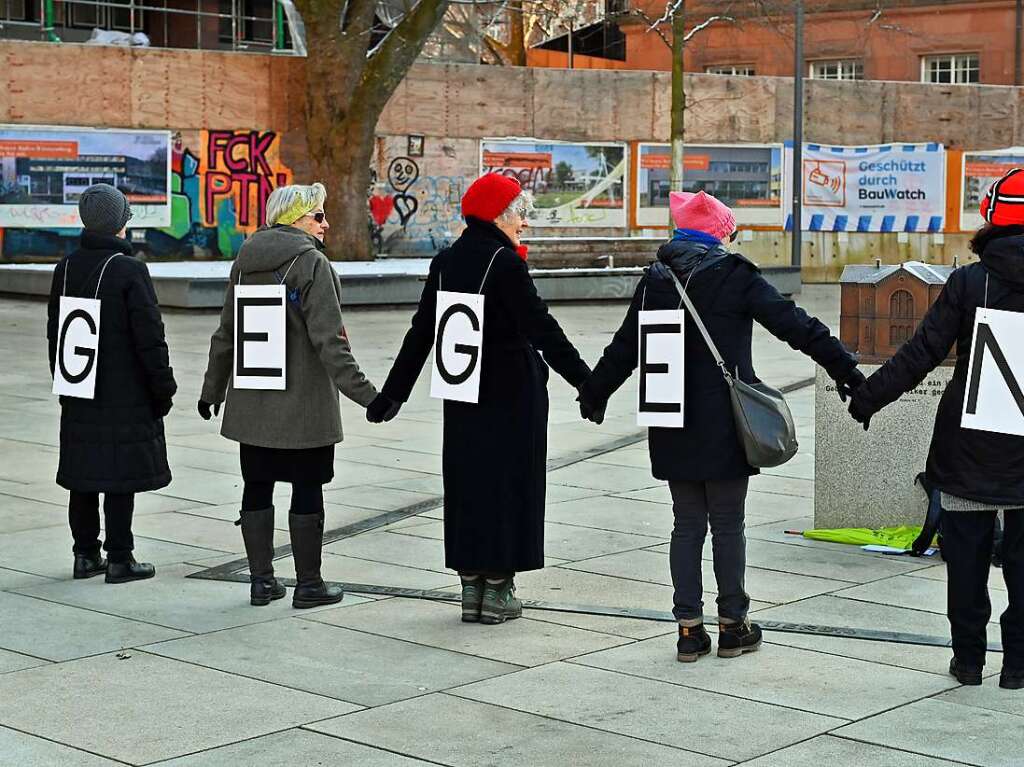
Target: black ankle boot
[(129, 570), (307, 533), (1012, 678), (89, 565), (964, 673), (693, 643), (258, 535), (735, 639)]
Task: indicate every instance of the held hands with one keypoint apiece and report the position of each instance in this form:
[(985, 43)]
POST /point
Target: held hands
[(848, 389), (204, 409), (859, 412), (382, 409), (590, 408), (850, 384)]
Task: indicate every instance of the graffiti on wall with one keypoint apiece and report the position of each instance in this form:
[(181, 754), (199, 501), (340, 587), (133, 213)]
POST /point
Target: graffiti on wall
[(220, 181)]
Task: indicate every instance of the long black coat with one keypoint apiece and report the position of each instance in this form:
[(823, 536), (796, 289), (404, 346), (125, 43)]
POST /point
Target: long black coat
[(730, 293), (115, 442), (979, 465), (495, 451)]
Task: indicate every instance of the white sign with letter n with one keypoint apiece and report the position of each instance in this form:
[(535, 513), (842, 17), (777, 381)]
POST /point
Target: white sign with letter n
[(458, 347), (994, 400), (78, 342), (660, 390), (260, 359)]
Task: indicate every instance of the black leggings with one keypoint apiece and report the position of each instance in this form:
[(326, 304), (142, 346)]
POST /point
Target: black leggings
[(307, 497)]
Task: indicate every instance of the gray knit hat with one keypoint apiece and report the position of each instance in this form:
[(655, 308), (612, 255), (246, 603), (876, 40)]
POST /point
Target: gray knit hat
[(104, 209)]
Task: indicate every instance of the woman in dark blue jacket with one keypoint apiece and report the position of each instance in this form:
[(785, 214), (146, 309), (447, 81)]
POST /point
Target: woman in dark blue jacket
[(704, 462)]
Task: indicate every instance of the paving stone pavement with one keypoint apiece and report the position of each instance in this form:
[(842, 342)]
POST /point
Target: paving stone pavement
[(182, 671)]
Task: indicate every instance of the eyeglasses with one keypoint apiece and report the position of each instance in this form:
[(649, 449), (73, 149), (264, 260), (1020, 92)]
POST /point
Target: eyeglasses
[(319, 216)]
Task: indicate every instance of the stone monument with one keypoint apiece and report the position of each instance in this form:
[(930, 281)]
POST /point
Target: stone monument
[(866, 479)]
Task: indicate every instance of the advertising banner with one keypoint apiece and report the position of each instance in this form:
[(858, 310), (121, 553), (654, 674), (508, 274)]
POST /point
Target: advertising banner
[(980, 171), (879, 188), (45, 169), (575, 185), (747, 178)]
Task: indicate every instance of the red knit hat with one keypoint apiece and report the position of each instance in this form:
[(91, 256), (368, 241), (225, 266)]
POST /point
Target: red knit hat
[(1004, 203), (489, 196)]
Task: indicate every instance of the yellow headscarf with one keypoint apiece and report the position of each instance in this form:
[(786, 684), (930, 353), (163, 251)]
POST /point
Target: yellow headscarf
[(297, 210)]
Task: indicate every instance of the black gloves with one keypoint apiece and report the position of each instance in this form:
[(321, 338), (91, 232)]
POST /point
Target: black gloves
[(382, 409), (162, 408), (848, 385), (204, 409), (591, 409), (859, 411)]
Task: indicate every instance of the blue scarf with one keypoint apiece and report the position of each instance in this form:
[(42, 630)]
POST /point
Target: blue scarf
[(695, 235)]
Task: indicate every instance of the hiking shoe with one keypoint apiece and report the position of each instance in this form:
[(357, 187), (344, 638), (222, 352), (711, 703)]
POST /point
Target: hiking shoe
[(499, 602), (734, 639), (693, 643), (1012, 679), (965, 674), (472, 598)]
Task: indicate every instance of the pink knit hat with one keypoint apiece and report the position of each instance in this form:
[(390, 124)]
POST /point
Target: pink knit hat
[(702, 212)]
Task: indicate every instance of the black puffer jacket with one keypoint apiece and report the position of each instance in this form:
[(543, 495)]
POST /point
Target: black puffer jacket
[(115, 442), (979, 465), (730, 293)]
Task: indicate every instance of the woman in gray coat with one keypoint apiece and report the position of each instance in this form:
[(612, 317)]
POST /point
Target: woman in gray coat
[(288, 435)]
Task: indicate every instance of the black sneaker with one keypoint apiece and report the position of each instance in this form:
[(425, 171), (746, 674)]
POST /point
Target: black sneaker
[(1012, 679), (87, 566), (129, 570), (734, 639), (693, 643), (965, 674)]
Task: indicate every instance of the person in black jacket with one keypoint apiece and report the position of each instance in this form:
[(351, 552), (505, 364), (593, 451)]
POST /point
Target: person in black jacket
[(704, 462), (114, 443), (976, 472), (495, 451)]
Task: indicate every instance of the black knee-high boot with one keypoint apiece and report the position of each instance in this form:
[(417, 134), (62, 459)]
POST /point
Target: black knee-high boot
[(258, 535), (307, 532)]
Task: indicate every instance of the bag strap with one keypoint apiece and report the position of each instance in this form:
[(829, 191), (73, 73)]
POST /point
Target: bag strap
[(701, 327)]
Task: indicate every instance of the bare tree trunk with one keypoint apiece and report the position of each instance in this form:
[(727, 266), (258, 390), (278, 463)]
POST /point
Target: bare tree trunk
[(678, 109), (516, 51)]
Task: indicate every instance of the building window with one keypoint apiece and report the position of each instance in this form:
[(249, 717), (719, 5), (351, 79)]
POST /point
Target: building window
[(953, 68), (103, 14), (731, 69), (901, 307), (13, 10), (251, 21), (837, 70)]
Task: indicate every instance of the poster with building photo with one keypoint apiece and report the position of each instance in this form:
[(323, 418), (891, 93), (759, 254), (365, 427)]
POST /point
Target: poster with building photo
[(747, 178), (45, 169), (574, 185), (980, 171)]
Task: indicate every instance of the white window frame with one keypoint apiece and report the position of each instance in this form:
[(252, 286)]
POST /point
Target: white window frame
[(960, 66), (845, 69), (741, 70)]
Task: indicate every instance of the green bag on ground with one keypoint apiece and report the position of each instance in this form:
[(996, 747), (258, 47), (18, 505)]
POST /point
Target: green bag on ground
[(898, 537)]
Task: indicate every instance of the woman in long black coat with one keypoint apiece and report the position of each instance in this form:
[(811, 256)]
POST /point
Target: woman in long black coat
[(975, 472), (112, 444), (494, 451), (704, 462)]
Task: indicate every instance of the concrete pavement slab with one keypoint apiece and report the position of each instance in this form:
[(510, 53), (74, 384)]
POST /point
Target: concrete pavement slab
[(826, 561), (329, 660), (938, 572), (557, 584), (916, 594), (524, 642), (631, 628), (59, 632), (931, 660), (509, 737), (295, 748), (351, 570), (392, 548), (190, 530), (945, 730), (595, 476), (988, 695), (173, 708), (17, 748), (659, 712), (15, 579), (17, 513), (13, 661), (378, 498), (617, 514), (828, 610), (800, 679), (839, 752)]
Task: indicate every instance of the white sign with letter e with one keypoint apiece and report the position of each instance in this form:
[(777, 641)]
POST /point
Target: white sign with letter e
[(458, 347), (78, 342), (994, 400), (660, 390), (260, 337)]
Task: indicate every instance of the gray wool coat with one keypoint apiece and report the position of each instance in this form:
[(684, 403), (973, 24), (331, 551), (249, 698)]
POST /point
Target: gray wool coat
[(319, 361)]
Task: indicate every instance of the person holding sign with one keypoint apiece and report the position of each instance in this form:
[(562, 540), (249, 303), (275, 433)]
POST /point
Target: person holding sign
[(278, 361), (976, 460), (110, 364), (481, 320), (685, 400)]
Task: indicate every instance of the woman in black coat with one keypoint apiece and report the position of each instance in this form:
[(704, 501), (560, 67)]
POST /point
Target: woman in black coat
[(114, 443), (976, 472), (704, 462), (494, 458)]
